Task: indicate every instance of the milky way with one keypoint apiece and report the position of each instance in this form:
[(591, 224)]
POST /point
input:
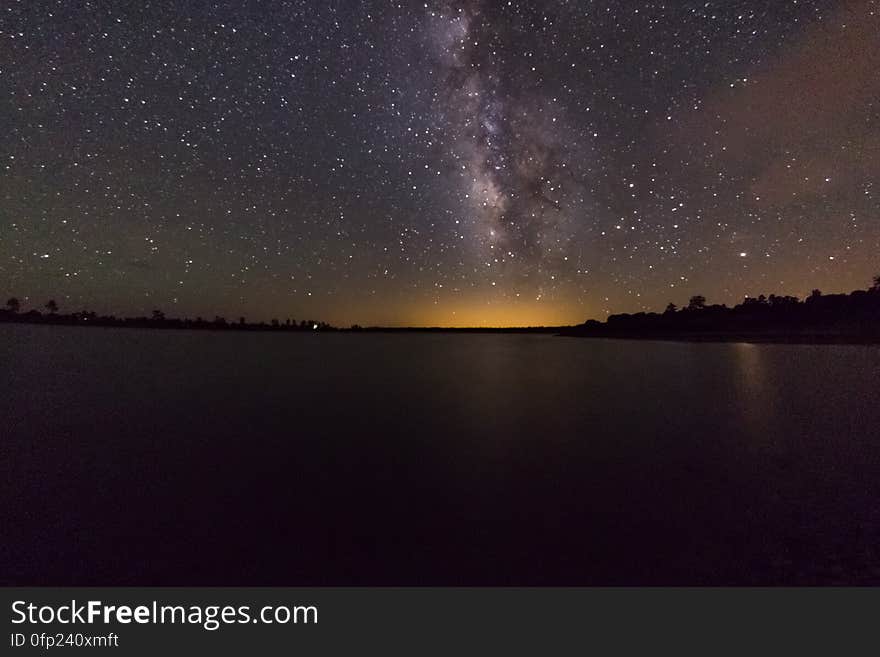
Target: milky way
[(514, 159), (435, 162)]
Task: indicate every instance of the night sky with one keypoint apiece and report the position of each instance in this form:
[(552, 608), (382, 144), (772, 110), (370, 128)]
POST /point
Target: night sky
[(439, 163)]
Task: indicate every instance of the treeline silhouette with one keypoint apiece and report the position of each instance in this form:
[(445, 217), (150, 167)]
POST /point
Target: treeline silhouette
[(853, 317), (12, 312), (820, 317)]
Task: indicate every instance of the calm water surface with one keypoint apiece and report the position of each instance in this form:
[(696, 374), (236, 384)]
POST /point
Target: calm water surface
[(150, 457)]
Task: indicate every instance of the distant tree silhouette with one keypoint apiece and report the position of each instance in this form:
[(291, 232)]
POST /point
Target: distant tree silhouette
[(671, 308), (697, 302), (853, 317), (156, 319), (779, 301)]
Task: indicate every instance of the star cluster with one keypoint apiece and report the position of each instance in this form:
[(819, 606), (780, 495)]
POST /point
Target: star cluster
[(441, 162)]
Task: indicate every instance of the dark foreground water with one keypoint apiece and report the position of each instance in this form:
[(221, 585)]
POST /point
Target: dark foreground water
[(149, 457)]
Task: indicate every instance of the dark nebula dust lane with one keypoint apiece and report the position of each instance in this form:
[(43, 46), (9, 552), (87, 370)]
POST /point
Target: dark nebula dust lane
[(477, 162)]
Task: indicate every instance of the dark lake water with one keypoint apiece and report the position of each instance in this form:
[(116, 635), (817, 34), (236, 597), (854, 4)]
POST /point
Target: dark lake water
[(149, 457)]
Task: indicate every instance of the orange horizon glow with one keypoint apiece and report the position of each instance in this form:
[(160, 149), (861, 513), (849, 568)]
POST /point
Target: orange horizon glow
[(475, 314)]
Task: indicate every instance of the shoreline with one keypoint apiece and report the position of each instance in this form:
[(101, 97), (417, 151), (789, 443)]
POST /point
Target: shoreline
[(803, 338), (734, 337)]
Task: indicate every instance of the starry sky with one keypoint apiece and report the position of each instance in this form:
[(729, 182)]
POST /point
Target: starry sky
[(438, 162)]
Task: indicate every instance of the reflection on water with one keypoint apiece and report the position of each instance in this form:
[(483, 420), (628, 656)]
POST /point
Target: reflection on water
[(757, 397), (175, 457)]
